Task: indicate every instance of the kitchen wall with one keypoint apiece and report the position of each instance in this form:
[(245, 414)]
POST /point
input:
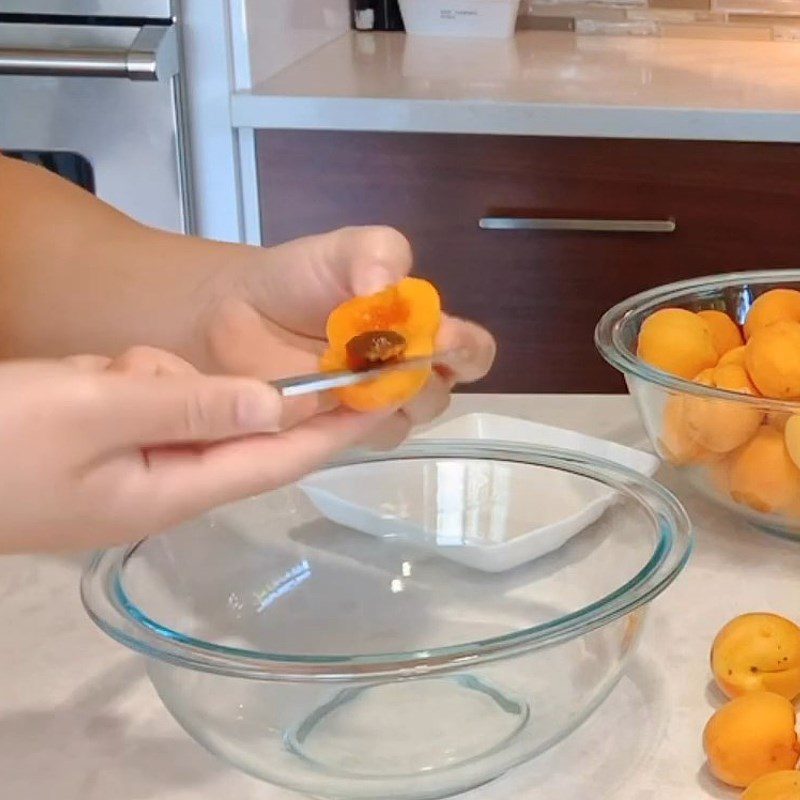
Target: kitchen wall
[(752, 20)]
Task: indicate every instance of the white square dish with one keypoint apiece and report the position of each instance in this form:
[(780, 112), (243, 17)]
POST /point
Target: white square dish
[(491, 516), (479, 426)]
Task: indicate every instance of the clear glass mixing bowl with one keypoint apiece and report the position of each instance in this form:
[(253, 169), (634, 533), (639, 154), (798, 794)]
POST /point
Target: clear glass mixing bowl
[(753, 490), (348, 665)]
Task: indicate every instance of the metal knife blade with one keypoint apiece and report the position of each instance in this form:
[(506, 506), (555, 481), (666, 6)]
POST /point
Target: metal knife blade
[(322, 381)]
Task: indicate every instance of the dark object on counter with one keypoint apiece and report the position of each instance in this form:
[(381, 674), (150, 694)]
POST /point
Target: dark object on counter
[(376, 15)]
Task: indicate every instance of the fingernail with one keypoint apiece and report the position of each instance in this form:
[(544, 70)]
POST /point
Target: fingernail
[(372, 281), (254, 412)]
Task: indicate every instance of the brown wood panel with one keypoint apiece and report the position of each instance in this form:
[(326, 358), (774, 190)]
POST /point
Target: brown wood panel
[(737, 207)]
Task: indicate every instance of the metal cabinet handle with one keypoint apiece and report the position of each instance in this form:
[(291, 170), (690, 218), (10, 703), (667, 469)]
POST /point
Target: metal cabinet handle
[(152, 56), (602, 225)]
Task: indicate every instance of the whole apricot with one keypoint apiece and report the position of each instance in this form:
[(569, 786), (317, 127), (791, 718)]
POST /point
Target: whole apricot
[(722, 425), (751, 736), (778, 420), (755, 652), (678, 342), (776, 305), (763, 476), (724, 331), (773, 360), (676, 444), (719, 475), (782, 785), (733, 378), (791, 435), (734, 356)]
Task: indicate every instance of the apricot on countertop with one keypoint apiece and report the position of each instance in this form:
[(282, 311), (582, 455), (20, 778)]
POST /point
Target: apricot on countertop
[(751, 736), (782, 785), (755, 652)]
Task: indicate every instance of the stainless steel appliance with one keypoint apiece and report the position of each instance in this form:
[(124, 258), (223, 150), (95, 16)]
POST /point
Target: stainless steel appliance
[(92, 89)]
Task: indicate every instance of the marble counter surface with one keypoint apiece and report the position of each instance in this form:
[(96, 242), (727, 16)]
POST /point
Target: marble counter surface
[(80, 721), (538, 83)]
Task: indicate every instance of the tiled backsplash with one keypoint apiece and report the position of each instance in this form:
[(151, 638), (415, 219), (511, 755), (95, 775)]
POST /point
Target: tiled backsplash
[(753, 20)]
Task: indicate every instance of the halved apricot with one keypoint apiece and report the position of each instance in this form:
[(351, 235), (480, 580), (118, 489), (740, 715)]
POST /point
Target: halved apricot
[(398, 323)]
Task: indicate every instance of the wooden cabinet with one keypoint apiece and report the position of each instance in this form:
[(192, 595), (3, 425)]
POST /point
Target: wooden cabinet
[(736, 207)]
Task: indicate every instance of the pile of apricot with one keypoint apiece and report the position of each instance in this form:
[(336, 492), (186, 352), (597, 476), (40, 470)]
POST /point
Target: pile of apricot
[(752, 455), (751, 742)]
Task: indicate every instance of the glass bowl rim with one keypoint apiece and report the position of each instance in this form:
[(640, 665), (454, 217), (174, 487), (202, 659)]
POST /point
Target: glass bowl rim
[(129, 626), (608, 334)]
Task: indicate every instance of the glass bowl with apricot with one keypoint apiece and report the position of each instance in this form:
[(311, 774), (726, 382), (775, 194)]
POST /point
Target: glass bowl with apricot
[(714, 367)]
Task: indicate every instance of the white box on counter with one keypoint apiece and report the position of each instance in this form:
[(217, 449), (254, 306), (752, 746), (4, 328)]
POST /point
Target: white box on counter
[(494, 19)]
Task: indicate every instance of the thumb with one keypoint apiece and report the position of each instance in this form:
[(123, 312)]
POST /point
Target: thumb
[(150, 411), (297, 284), (372, 258)]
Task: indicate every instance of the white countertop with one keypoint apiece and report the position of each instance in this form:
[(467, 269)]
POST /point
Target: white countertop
[(80, 721), (539, 83)]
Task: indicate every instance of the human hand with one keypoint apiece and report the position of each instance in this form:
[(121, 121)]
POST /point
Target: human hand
[(101, 451), (272, 323)]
